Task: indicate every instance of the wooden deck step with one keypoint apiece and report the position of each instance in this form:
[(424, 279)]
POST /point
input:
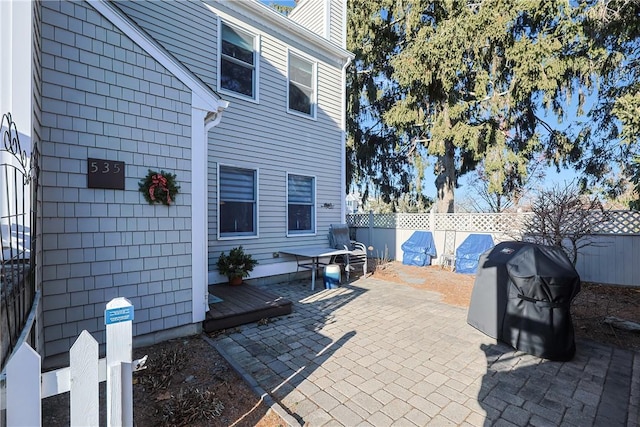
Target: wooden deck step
[(242, 304)]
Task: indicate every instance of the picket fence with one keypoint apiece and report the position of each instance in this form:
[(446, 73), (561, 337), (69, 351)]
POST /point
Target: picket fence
[(25, 385)]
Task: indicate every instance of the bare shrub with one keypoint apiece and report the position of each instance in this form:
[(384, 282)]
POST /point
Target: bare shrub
[(189, 406), (381, 259), (564, 218), (162, 367)]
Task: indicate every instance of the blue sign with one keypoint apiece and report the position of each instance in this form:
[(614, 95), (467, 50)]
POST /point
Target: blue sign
[(117, 315)]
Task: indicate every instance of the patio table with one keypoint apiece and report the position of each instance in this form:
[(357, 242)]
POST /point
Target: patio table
[(309, 257)]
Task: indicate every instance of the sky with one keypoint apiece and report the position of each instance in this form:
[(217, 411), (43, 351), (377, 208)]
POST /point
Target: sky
[(290, 3)]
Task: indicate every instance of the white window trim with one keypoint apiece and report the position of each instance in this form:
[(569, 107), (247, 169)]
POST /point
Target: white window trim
[(315, 206), (256, 52), (314, 100), (238, 237)]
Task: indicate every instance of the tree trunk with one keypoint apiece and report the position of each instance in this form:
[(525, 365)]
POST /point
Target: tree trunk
[(446, 180)]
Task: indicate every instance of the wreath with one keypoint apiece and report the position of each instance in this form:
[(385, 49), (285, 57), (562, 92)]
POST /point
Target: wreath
[(159, 187)]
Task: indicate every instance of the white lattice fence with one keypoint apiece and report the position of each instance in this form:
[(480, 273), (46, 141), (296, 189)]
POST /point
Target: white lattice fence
[(488, 223), (358, 220), (414, 222), (618, 222), (609, 260), (391, 220), (610, 222), (481, 222)]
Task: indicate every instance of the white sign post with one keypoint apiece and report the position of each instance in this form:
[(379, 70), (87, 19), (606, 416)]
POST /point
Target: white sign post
[(118, 319)]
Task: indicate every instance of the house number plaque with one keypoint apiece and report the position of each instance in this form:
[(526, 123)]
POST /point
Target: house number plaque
[(105, 174)]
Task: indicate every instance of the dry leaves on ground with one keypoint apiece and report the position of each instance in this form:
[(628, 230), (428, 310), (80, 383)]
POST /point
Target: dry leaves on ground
[(186, 383)]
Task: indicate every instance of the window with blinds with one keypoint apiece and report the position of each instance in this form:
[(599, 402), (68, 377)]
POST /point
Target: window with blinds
[(301, 204), (237, 61), (238, 199)]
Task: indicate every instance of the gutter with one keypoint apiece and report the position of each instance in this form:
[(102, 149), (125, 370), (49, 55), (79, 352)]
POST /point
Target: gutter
[(343, 152), (260, 12)]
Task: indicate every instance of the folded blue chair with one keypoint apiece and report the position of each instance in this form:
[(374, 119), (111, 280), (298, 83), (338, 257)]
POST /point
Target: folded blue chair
[(469, 251), (419, 249)]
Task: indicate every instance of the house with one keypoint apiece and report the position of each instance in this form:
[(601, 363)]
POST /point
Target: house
[(353, 203), (244, 105)]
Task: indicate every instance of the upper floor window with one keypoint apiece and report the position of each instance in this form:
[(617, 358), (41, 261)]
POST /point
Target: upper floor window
[(301, 204), (238, 199), (302, 78), (237, 61)]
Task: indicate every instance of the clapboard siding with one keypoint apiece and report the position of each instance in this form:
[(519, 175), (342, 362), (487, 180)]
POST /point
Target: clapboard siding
[(311, 14), (337, 30), (275, 157), (261, 135), (316, 15)]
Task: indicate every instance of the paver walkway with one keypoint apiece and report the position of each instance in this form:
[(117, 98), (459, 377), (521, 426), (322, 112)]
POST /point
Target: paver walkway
[(376, 353)]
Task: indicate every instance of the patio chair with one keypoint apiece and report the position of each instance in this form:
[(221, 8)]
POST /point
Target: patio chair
[(339, 239)]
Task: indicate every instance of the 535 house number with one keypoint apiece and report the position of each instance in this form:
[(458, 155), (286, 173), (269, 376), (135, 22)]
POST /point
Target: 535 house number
[(105, 174)]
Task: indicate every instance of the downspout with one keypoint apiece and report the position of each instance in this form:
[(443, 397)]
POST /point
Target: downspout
[(201, 123), (343, 152)]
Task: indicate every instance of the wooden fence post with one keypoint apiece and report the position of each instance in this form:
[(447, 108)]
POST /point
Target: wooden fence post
[(23, 388), (118, 319), (26, 386), (83, 364)]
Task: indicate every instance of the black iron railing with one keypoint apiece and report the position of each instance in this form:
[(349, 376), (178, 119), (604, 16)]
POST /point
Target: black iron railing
[(19, 173)]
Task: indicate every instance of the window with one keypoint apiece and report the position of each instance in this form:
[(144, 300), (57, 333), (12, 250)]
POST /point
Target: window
[(301, 85), (238, 199), (301, 192), (237, 61)]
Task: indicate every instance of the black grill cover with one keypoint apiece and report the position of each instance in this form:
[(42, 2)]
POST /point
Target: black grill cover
[(522, 296)]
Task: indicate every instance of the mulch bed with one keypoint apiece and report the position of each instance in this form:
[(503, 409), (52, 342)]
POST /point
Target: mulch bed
[(589, 309)]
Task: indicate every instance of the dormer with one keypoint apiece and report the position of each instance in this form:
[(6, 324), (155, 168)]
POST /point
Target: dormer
[(327, 18)]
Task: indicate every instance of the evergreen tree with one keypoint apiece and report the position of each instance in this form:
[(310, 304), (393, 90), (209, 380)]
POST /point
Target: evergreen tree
[(284, 10), (610, 137), (462, 81), (514, 192), (376, 153)]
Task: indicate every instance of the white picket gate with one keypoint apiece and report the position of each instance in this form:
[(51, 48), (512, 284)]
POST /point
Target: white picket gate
[(26, 385)]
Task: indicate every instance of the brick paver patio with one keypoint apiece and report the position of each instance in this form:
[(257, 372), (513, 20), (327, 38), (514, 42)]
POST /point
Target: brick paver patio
[(376, 353)]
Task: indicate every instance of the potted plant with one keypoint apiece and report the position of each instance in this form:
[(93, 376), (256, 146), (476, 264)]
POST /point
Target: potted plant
[(236, 266)]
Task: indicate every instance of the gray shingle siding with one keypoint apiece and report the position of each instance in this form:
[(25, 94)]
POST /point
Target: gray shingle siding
[(104, 97)]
